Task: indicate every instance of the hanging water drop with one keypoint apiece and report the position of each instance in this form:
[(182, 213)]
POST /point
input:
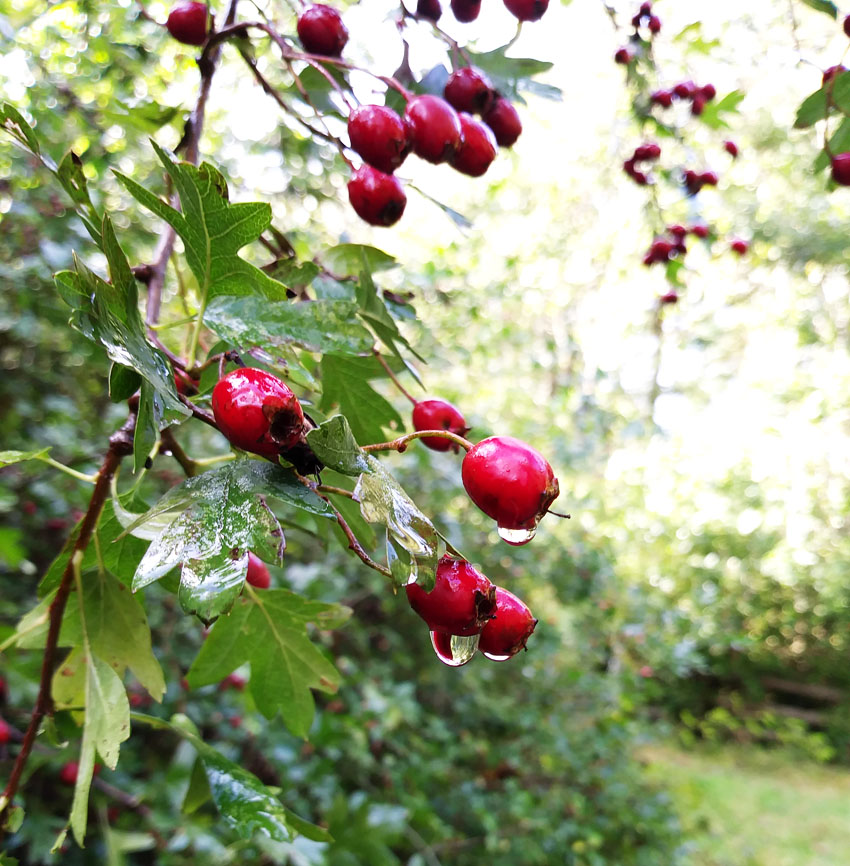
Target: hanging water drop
[(516, 536), (414, 571), (496, 658), (452, 649)]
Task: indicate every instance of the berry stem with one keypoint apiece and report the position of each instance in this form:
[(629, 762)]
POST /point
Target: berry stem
[(393, 376), (80, 476), (401, 443), (337, 491)]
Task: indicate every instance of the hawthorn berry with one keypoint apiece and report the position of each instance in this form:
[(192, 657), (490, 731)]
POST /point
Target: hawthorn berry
[(434, 128), (654, 24), (188, 23), (510, 482), (638, 176), (660, 251), (503, 120), (731, 148), (257, 412), (664, 98), (466, 10), (233, 681), (439, 415), (624, 56), (684, 89), (506, 634), (841, 169), (258, 573), (708, 92), (460, 603), (377, 197), (847, 25), (469, 89), (699, 230), (321, 30), (477, 147), (739, 246), (5, 732), (697, 105), (669, 298), (709, 178), (677, 231), (645, 9), (379, 135), (831, 72), (430, 9), (527, 10)]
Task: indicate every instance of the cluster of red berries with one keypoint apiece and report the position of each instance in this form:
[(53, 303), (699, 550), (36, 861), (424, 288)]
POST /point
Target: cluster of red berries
[(465, 604), (685, 90), (839, 162), (438, 130), (694, 181), (468, 10), (643, 153), (643, 19), (672, 245), (506, 478)]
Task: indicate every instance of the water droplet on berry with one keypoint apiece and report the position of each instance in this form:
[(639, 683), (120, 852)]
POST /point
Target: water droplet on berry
[(452, 649), (516, 536), (495, 658)]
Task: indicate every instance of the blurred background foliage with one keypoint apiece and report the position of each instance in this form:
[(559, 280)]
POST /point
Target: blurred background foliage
[(702, 586)]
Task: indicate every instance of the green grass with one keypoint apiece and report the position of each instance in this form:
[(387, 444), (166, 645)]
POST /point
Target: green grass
[(744, 806)]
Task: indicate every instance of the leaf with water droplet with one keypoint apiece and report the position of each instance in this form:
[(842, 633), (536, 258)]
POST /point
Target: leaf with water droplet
[(382, 500), (334, 444), (267, 630), (210, 522)]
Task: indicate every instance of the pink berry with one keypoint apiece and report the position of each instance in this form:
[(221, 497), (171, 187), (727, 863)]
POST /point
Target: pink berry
[(258, 573), (507, 633), (731, 148)]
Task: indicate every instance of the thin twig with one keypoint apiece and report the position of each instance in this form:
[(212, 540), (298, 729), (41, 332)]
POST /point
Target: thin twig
[(401, 443), (337, 491), (393, 376), (172, 446)]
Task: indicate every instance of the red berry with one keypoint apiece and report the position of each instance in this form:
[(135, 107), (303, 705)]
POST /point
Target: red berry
[(469, 89), (185, 384), (503, 120), (434, 128), (233, 681), (709, 178), (5, 732), (510, 482), (257, 412), (527, 10), (669, 298), (639, 177), (258, 573), (700, 230), (831, 72), (430, 9), (477, 147), (321, 30), (68, 773), (739, 246), (623, 56), (731, 148), (698, 105), (376, 197), (847, 25), (645, 9), (439, 415), (465, 10), (708, 92), (461, 601), (684, 89), (187, 23), (379, 135), (677, 231), (664, 98), (841, 169), (646, 152), (654, 24), (508, 633)]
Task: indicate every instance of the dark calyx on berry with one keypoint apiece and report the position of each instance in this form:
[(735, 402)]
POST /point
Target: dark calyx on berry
[(257, 412), (469, 89), (321, 30), (377, 197), (439, 415), (460, 603), (477, 148)]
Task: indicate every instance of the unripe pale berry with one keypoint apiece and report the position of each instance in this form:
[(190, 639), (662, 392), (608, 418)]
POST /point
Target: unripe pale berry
[(434, 128), (439, 415), (469, 89), (509, 481), (379, 135), (188, 23), (376, 197), (477, 147), (257, 412), (258, 573), (506, 634), (503, 120), (527, 10), (321, 30), (461, 601)]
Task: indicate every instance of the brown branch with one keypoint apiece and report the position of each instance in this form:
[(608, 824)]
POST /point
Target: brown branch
[(120, 445), (402, 442), (172, 447), (393, 376), (134, 803)]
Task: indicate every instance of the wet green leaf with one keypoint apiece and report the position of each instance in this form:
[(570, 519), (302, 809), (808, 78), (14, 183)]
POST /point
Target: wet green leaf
[(7, 458), (334, 444), (348, 260)]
